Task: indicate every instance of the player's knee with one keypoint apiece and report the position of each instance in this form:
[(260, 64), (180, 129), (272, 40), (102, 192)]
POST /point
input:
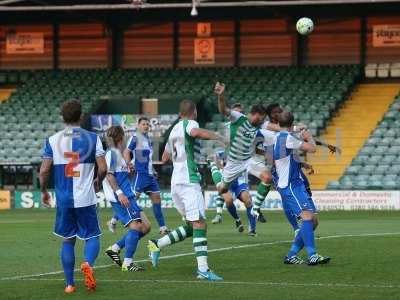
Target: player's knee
[(135, 225), (266, 177), (222, 188), (200, 224), (70, 240), (315, 221), (155, 198)]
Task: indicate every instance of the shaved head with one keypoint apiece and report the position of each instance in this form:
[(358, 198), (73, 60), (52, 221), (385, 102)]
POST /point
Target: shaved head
[(187, 108), (286, 119)]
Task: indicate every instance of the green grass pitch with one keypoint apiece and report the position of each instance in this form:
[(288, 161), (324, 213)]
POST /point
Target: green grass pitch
[(364, 246)]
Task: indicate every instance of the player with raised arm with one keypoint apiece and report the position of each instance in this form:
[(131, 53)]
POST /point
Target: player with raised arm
[(186, 190), (291, 187), (73, 153), (118, 191), (243, 131)]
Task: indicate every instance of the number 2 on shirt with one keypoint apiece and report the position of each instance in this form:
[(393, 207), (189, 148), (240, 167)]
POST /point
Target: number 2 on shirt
[(73, 162)]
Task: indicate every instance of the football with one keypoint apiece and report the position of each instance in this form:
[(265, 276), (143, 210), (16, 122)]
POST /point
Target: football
[(305, 26)]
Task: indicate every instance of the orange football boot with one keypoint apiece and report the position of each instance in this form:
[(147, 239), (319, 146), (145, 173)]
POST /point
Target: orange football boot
[(90, 281)]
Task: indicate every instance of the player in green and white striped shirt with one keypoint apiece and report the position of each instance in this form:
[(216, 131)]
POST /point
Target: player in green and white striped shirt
[(185, 189), (243, 131)]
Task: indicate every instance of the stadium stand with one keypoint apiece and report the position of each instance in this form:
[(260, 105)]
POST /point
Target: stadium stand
[(377, 165), (32, 111)]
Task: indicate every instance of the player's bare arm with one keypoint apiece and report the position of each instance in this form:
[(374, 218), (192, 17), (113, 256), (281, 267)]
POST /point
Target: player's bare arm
[(44, 176), (309, 145), (101, 172), (114, 185), (219, 90)]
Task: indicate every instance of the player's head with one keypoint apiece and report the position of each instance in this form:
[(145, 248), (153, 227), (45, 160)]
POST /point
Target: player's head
[(286, 119), (143, 125), (187, 110), (273, 112), (237, 107), (115, 137), (257, 115), (71, 112)]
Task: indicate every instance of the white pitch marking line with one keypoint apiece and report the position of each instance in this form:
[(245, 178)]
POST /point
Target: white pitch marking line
[(267, 283), (212, 250)]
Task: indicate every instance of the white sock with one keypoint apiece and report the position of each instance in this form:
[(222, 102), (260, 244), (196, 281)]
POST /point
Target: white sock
[(219, 210), (164, 241), (127, 261), (115, 248), (202, 264), (113, 221)]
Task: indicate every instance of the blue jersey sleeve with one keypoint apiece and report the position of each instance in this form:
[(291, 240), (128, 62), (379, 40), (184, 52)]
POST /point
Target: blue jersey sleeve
[(47, 150), (132, 143)]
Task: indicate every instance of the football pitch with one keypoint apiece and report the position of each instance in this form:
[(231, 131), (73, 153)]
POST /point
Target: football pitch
[(364, 246)]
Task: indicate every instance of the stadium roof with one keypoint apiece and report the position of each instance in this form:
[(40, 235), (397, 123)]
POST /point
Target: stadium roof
[(68, 5)]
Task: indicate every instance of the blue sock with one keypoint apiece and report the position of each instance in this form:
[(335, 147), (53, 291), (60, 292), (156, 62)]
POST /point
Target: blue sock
[(307, 233), (297, 245), (232, 211), (131, 242), (92, 248), (292, 219), (158, 214), (252, 219), (121, 242), (68, 260)]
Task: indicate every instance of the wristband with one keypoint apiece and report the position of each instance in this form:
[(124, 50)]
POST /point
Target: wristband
[(118, 192)]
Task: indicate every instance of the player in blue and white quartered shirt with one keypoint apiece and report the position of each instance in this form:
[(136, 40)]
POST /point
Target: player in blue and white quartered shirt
[(291, 187), (73, 153), (118, 191)]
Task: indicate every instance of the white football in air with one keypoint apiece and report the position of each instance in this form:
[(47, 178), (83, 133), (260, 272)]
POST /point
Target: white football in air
[(305, 26)]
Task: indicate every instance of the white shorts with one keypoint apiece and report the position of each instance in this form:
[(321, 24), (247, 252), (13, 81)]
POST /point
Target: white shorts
[(257, 166), (233, 169), (189, 201)]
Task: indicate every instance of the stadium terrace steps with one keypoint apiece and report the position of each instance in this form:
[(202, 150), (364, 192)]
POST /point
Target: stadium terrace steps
[(350, 129), (5, 93)]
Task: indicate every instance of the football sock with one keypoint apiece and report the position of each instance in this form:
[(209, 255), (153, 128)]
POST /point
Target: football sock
[(131, 242), (297, 245), (158, 214), (68, 260), (232, 211), (121, 243), (177, 235), (292, 219), (92, 248), (252, 219), (262, 192), (219, 204), (200, 248), (307, 233), (215, 173), (114, 220)]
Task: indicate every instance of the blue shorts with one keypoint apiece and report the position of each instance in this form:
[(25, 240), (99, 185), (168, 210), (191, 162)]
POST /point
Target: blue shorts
[(127, 215), (78, 222), (236, 188), (295, 199), (145, 183)]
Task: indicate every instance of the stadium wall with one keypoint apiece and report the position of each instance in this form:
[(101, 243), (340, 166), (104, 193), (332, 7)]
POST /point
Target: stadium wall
[(171, 44)]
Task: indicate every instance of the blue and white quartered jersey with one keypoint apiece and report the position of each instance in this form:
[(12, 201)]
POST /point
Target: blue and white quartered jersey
[(116, 165), (287, 165), (74, 151), (142, 150)]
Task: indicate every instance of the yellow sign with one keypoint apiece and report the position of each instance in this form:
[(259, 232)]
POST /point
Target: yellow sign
[(386, 36), (204, 51), (5, 200), (203, 29), (25, 43)]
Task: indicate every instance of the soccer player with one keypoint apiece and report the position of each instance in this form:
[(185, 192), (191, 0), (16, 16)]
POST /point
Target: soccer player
[(258, 166), (292, 189), (185, 189), (144, 181), (73, 152), (118, 191), (243, 131)]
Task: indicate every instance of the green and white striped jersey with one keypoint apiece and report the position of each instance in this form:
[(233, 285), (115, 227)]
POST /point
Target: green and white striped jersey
[(242, 137), (180, 146)]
